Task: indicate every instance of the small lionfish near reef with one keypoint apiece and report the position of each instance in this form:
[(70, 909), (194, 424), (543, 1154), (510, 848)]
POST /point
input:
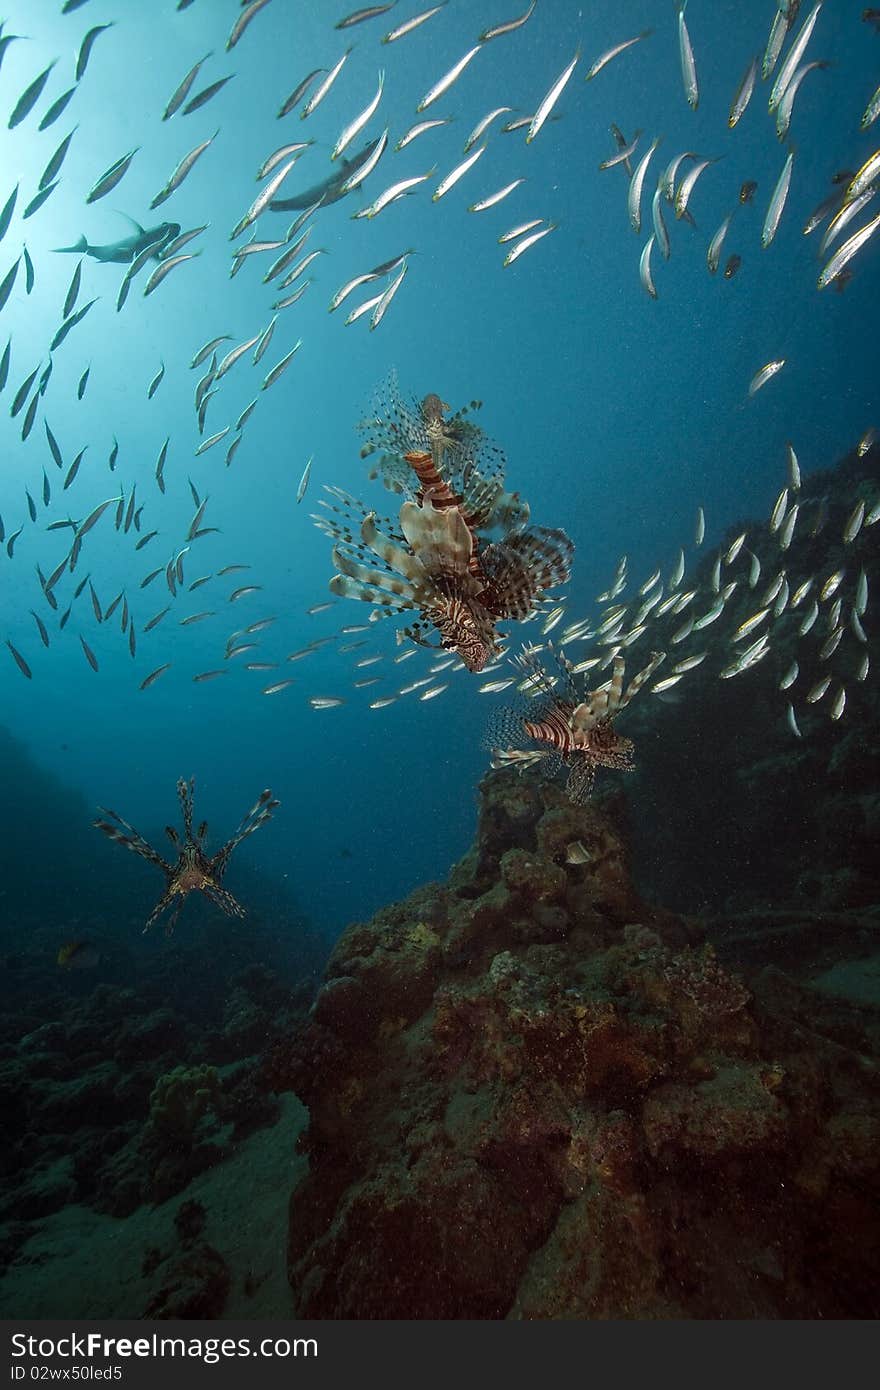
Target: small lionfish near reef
[(560, 724), (439, 558), (194, 868)]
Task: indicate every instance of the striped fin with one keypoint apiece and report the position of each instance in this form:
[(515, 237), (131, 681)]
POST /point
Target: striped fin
[(374, 578), (345, 587), (393, 555), (260, 812), (522, 566), (125, 834), (638, 680), (440, 541)]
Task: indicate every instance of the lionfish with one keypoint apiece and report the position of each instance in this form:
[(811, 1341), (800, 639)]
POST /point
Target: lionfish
[(558, 725), (192, 869), (437, 558)]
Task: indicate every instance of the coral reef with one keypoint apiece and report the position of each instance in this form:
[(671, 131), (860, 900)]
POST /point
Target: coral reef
[(127, 1094), (533, 1096)]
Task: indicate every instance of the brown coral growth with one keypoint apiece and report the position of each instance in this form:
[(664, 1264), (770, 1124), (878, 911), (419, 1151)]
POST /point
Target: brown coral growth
[(532, 1096)]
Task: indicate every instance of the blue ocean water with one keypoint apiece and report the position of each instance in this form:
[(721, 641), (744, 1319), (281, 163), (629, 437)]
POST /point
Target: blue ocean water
[(619, 415)]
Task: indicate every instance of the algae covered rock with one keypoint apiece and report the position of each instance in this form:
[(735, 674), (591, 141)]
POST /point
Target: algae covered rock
[(183, 1102), (193, 1283), (531, 1095)]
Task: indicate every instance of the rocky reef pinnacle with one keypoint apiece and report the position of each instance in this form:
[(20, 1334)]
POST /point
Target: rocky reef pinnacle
[(532, 1095)]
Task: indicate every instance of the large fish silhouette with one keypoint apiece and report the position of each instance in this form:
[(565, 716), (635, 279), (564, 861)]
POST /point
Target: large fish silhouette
[(124, 251)]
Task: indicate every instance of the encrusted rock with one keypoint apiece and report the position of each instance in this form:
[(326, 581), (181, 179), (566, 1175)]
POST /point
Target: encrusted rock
[(531, 1095)]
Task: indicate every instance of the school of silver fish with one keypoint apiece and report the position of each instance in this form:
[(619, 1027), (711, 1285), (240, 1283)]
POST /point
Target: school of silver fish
[(460, 557)]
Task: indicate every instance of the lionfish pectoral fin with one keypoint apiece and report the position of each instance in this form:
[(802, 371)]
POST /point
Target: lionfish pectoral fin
[(172, 921), (165, 901), (125, 834), (259, 813), (398, 559), (640, 678), (343, 586), (223, 899)]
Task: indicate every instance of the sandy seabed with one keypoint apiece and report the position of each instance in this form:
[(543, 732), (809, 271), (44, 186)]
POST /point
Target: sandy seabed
[(82, 1264)]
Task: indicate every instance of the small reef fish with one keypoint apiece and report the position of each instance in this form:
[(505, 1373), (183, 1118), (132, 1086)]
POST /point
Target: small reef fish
[(847, 251), (777, 202), (786, 106), (78, 955), (645, 274), (304, 481), (48, 175), (355, 127), (743, 94), (446, 81), (243, 21), (360, 16), (182, 91), (793, 58), (321, 91), (30, 96), (485, 203), (686, 187), (20, 661), (184, 168), (577, 853), (85, 51), (336, 185), (164, 268), (111, 177), (516, 251), (634, 197), (605, 58), (508, 26), (206, 94), (549, 101), (421, 128), (688, 63), (452, 178), (763, 376), (410, 24), (713, 255)]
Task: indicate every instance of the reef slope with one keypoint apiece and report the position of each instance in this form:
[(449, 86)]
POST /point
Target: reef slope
[(533, 1096)]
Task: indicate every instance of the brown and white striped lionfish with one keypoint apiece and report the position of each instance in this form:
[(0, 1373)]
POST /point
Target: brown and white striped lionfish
[(192, 869), (561, 725), (437, 559)]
